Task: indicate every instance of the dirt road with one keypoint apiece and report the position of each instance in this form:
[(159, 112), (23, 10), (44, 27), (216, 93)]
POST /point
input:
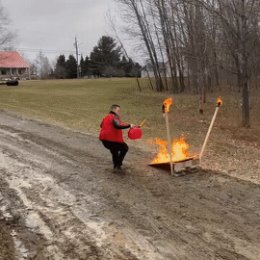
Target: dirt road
[(61, 201)]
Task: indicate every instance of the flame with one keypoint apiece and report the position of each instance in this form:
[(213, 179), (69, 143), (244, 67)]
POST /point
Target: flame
[(179, 150), (219, 101), (166, 104)]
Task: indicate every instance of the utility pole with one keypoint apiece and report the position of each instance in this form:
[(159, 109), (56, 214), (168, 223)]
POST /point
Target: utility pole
[(77, 55)]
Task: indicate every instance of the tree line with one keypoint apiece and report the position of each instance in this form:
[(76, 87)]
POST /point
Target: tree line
[(202, 45), (106, 60)]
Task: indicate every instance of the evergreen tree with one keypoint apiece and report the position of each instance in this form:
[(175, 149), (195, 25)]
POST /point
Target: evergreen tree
[(105, 55), (71, 67), (60, 68), (82, 66), (130, 68), (105, 60), (85, 66)]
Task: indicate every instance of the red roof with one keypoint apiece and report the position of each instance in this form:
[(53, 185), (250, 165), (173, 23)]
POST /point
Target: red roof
[(12, 59)]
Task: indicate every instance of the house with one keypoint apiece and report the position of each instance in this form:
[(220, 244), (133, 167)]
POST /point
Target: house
[(13, 65)]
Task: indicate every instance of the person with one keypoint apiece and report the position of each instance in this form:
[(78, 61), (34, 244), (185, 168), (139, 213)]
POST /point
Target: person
[(111, 135)]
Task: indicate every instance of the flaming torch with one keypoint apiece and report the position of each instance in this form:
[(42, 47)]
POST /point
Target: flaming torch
[(218, 105), (166, 109)]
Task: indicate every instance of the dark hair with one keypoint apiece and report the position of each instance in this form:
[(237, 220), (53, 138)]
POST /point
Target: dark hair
[(114, 106)]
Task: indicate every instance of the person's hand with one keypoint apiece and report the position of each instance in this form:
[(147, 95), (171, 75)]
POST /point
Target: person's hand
[(132, 125)]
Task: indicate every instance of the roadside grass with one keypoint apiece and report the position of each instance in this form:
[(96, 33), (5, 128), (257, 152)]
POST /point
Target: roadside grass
[(81, 105)]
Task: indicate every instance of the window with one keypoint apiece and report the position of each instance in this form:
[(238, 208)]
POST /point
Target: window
[(3, 71)]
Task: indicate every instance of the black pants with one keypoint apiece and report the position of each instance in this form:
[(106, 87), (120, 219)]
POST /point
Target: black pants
[(118, 150)]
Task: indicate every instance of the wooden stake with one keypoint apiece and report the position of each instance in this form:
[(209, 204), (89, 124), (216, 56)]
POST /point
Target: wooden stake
[(209, 131), (169, 141), (143, 122)]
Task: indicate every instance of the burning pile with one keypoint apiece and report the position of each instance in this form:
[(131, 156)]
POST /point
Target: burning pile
[(176, 152), (179, 151)]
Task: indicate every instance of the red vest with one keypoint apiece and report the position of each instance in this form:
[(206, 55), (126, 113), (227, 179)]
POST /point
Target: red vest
[(108, 132)]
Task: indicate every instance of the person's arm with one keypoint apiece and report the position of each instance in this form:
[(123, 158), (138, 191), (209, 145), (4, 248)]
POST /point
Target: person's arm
[(119, 125)]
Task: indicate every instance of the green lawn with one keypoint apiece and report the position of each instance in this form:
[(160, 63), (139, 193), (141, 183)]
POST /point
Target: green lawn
[(81, 104)]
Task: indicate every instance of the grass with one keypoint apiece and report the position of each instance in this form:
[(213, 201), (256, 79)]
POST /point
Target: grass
[(81, 105)]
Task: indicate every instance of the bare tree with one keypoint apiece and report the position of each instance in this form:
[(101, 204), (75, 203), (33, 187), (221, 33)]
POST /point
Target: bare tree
[(207, 42), (239, 21), (137, 9), (43, 66), (6, 35)]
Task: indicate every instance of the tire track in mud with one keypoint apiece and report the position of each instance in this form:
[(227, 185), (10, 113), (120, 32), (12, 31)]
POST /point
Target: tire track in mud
[(137, 220), (215, 206), (142, 215), (30, 177), (130, 234)]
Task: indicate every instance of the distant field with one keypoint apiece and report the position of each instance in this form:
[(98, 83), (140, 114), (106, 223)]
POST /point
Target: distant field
[(81, 104)]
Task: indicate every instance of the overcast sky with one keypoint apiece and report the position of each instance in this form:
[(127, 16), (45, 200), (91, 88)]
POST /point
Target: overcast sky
[(53, 24)]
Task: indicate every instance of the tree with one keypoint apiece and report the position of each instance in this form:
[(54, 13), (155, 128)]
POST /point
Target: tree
[(60, 68), (82, 66), (139, 15), (240, 39), (71, 67), (105, 55), (6, 35), (202, 43), (43, 66), (85, 66), (33, 69), (130, 68)]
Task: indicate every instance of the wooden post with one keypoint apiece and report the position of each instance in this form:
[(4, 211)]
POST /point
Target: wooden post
[(143, 122), (219, 103), (169, 141), (166, 109)]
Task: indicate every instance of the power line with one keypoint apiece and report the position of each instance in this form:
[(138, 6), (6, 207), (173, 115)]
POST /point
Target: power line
[(46, 51)]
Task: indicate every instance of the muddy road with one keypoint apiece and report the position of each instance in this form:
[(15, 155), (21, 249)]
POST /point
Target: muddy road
[(62, 201)]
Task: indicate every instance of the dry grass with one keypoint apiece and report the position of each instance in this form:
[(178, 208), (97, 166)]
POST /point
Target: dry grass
[(81, 104)]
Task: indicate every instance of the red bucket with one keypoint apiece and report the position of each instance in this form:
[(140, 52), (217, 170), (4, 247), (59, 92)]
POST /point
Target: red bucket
[(135, 133)]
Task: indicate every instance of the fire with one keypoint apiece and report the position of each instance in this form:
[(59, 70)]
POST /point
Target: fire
[(219, 101), (179, 150), (166, 105)]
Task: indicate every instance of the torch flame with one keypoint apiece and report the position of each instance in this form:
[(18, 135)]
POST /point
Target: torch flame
[(166, 104), (219, 101), (179, 150)]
